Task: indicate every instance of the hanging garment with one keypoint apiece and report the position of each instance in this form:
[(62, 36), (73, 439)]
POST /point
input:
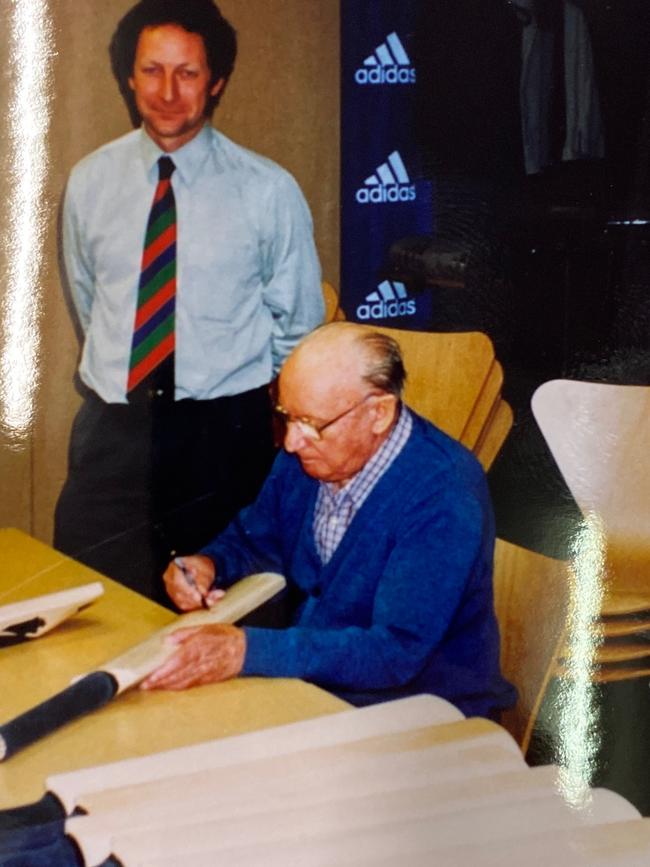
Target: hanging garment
[(583, 122)]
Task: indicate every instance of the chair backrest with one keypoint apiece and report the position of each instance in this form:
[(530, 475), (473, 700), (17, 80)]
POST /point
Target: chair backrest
[(494, 434), (453, 380), (599, 435), (447, 374), (485, 406), (333, 311), (531, 594)]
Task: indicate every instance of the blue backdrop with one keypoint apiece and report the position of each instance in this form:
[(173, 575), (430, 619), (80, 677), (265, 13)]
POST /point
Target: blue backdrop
[(384, 196)]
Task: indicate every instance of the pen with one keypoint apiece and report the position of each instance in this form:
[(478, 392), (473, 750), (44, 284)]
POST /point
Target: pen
[(189, 578)]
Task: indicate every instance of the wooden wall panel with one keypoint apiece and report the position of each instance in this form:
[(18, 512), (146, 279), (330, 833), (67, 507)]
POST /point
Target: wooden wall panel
[(16, 380), (283, 100)]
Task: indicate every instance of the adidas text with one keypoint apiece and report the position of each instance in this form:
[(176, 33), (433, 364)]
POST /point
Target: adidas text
[(380, 194), (385, 75), (386, 309)]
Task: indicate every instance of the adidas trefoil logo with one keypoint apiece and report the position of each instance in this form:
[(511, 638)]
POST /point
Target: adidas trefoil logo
[(390, 183), (389, 64), (389, 301)]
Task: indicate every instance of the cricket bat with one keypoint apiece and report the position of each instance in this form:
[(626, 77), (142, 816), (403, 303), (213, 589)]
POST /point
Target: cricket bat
[(76, 790), (34, 617), (93, 690)]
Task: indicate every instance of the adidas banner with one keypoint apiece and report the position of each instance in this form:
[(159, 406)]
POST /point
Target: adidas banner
[(383, 195)]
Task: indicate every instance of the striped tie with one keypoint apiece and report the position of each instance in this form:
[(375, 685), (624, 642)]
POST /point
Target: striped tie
[(153, 332)]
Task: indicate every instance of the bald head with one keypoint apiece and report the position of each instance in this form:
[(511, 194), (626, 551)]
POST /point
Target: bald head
[(340, 349), (345, 379), (328, 358)]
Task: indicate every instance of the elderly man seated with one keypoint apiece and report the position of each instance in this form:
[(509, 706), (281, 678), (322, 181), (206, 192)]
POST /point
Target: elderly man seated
[(383, 527)]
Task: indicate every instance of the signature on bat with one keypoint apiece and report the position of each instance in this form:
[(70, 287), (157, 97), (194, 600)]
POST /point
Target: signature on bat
[(18, 632)]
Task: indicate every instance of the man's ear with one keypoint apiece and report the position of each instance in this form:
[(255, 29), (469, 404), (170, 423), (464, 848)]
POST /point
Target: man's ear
[(385, 407), (217, 87)]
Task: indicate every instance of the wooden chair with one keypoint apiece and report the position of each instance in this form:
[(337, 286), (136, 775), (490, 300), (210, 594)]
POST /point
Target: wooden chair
[(446, 374), (485, 406), (494, 434), (454, 380), (333, 310), (531, 596), (599, 436)]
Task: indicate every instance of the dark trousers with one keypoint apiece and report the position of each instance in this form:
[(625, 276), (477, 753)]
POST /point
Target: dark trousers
[(156, 478)]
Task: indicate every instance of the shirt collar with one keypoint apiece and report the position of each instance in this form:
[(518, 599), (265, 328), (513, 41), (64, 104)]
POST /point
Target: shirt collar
[(187, 159), (358, 486)]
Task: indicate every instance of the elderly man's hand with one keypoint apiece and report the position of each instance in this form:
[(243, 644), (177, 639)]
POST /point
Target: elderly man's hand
[(188, 581), (206, 654)]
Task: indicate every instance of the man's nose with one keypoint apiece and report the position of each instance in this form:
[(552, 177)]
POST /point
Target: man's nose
[(168, 87), (294, 438)]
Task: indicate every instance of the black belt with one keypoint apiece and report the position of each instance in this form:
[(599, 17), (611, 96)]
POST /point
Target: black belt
[(151, 395), (164, 396)]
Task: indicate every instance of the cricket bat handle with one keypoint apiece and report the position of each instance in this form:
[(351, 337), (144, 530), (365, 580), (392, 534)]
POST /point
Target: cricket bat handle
[(90, 693)]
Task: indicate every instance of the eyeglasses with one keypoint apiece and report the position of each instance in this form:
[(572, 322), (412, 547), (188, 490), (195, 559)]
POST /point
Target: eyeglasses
[(308, 427)]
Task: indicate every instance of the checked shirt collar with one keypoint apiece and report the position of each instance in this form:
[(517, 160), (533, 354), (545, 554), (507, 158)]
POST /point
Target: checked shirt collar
[(335, 509)]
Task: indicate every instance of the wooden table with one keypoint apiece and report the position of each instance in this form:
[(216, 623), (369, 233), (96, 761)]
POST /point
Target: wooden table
[(136, 723)]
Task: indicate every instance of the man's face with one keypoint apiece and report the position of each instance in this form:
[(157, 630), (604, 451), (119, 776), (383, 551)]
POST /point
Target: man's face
[(345, 446), (171, 84)]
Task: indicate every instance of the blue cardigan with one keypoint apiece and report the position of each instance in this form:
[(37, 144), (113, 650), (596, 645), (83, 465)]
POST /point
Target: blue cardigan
[(405, 604)]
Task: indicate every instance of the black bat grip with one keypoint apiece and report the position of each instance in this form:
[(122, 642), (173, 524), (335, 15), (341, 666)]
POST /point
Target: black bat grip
[(91, 692)]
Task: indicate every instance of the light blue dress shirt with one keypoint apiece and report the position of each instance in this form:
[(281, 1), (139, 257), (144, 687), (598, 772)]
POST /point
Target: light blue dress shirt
[(248, 277)]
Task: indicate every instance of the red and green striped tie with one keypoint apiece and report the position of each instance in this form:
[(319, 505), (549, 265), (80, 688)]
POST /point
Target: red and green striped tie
[(153, 332)]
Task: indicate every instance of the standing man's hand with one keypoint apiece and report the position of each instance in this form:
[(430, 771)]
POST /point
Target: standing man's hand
[(205, 654), (188, 581)]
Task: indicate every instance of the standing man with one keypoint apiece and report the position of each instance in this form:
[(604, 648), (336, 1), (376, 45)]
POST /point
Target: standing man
[(383, 527), (192, 268)]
